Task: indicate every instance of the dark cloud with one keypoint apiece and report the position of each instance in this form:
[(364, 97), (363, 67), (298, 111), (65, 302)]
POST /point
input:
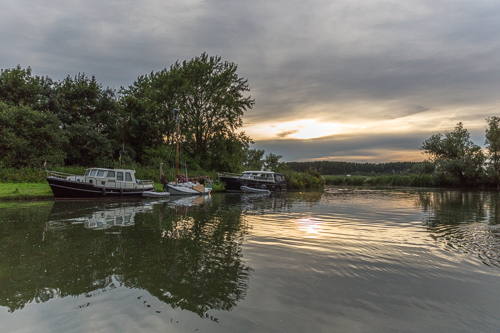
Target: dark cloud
[(339, 61)]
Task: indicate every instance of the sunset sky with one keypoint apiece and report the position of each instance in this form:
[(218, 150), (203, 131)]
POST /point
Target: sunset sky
[(363, 81)]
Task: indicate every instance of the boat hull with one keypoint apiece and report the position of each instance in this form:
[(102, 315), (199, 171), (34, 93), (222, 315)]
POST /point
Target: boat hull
[(234, 184), (186, 190), (68, 189), (247, 189)]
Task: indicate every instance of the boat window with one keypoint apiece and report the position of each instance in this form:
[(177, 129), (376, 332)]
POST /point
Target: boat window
[(93, 172), (128, 177), (87, 172), (119, 176), (111, 174), (100, 173), (246, 175)]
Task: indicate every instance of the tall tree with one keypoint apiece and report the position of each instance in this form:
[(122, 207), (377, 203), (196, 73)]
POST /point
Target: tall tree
[(19, 87), (271, 162), (492, 144), (29, 137), (210, 97), (254, 159), (456, 155), (211, 101), (89, 115), (148, 117)]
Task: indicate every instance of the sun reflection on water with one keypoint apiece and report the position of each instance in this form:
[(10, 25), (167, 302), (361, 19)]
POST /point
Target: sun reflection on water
[(310, 226)]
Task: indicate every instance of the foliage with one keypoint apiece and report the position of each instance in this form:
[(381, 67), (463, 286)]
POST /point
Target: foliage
[(89, 115), (492, 144), (29, 137), (254, 159), (209, 96), (19, 87), (271, 162), (453, 152), (303, 180)]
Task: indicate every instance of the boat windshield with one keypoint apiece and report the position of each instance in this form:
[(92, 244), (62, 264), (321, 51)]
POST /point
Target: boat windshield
[(100, 173), (93, 172)]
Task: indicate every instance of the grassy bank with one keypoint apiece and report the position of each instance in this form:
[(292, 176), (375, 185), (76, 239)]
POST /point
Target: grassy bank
[(24, 191)]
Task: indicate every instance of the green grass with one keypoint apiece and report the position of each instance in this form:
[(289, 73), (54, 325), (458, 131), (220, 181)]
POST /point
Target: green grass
[(20, 191)]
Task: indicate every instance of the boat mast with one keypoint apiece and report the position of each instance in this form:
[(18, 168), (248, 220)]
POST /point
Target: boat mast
[(177, 146)]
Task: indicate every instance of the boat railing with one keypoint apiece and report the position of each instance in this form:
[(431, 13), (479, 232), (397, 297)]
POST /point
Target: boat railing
[(260, 177), (228, 174), (58, 174)]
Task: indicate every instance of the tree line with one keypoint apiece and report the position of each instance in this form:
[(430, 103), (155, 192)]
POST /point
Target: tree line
[(76, 121), (452, 160), (355, 168)]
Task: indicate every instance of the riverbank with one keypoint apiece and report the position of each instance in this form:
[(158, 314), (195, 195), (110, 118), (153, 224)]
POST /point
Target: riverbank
[(42, 191)]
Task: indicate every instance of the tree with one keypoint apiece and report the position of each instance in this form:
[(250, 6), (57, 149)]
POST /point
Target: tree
[(456, 155), (19, 87), (90, 117), (271, 162), (492, 144), (212, 103), (254, 159), (29, 137), (209, 96)]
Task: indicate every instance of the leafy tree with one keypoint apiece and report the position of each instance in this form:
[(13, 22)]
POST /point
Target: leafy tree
[(19, 87), (456, 155), (492, 144), (209, 96), (254, 159), (148, 116), (211, 102), (89, 115), (29, 137), (271, 162)]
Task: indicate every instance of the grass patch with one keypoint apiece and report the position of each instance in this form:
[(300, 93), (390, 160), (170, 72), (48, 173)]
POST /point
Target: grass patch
[(9, 191)]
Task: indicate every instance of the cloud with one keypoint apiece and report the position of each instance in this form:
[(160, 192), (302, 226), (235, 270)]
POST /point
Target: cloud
[(367, 68)]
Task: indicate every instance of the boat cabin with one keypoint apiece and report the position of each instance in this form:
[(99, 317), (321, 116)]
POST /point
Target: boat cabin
[(263, 175), (103, 177)]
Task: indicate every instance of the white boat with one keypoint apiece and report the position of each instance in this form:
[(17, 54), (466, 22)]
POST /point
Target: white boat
[(247, 189), (188, 188)]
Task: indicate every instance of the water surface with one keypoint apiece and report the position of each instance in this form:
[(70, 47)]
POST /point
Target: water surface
[(340, 261)]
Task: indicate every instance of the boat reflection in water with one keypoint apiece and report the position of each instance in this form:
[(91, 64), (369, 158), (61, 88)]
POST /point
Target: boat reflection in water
[(95, 215), (182, 252)]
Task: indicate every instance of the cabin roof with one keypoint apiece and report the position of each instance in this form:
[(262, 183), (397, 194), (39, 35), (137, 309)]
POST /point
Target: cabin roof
[(112, 169), (261, 172)]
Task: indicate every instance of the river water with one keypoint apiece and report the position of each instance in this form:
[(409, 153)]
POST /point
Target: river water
[(343, 260)]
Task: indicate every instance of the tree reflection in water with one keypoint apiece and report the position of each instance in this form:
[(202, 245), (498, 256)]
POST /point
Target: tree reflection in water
[(464, 221), (187, 254)]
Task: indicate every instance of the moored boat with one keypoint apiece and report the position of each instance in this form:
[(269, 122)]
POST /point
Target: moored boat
[(263, 180), (98, 183), (188, 188)]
